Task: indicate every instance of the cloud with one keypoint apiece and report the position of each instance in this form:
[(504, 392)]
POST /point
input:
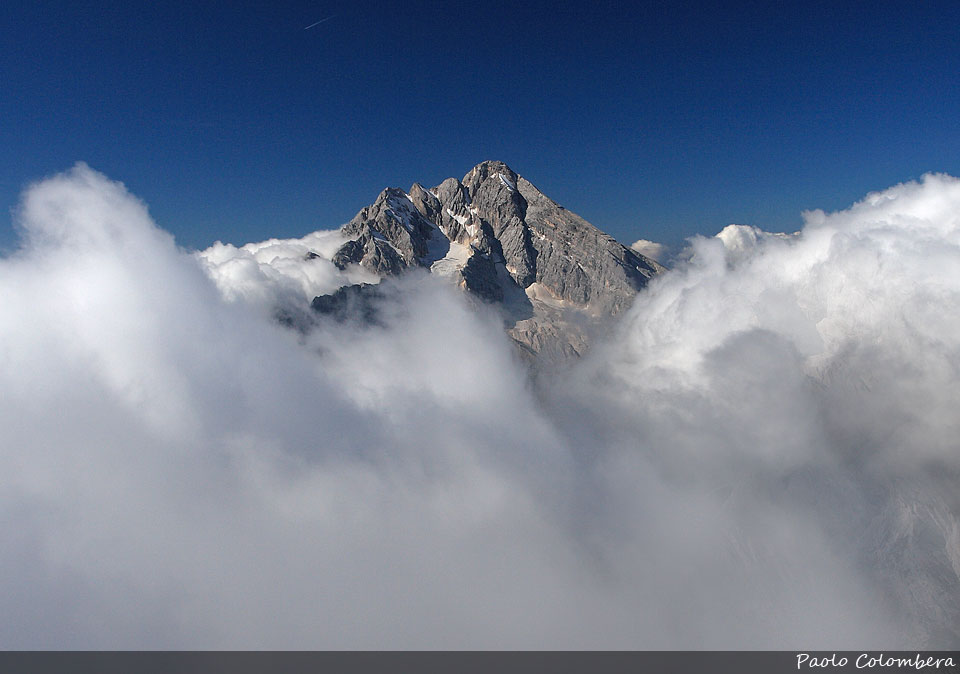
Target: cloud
[(762, 455), (813, 374), (651, 249), (742, 241), (181, 471), (280, 272)]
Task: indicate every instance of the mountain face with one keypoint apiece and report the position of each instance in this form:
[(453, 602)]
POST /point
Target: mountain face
[(554, 276)]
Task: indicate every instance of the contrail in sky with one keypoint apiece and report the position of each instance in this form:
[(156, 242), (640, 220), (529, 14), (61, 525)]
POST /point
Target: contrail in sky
[(319, 22)]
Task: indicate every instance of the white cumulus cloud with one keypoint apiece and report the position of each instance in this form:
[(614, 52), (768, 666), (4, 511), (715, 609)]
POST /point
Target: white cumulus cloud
[(763, 455), (651, 249)]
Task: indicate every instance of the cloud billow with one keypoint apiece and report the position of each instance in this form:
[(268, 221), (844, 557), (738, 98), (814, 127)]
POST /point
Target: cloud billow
[(761, 455)]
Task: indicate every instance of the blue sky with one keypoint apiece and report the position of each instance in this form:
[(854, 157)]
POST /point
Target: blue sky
[(653, 120)]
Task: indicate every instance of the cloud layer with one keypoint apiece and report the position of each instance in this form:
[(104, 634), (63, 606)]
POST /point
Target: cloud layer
[(763, 455)]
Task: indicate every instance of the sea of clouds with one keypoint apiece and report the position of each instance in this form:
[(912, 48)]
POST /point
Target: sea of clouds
[(763, 454)]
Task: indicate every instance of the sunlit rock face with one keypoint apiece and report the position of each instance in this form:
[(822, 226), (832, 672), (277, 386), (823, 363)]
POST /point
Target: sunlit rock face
[(554, 276)]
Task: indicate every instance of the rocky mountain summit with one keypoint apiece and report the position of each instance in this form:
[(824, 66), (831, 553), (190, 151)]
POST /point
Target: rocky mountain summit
[(554, 276)]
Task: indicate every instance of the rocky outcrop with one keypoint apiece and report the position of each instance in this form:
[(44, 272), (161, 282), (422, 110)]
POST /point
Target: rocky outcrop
[(387, 236), (353, 301), (498, 237)]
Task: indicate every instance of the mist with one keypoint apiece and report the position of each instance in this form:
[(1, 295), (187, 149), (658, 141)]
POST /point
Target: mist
[(761, 455)]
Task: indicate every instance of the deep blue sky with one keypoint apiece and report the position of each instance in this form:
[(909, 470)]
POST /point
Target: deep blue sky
[(658, 120)]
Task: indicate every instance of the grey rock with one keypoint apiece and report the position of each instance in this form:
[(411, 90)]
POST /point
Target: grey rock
[(372, 251), (455, 215), (382, 257), (349, 253), (505, 242), (577, 261), (549, 338), (393, 220), (492, 190), (480, 278), (358, 302), (426, 204)]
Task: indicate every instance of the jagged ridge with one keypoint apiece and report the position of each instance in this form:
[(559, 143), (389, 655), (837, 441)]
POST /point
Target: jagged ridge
[(503, 240)]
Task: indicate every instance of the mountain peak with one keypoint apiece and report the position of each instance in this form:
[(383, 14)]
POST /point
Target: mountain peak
[(489, 168), (498, 237), (495, 171)]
